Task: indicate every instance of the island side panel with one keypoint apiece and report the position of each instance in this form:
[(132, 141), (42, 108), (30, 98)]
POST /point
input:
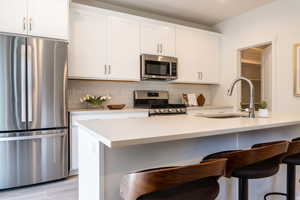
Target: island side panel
[(120, 161), (91, 167)]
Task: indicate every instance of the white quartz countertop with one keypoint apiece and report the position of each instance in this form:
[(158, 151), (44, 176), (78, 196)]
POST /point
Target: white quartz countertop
[(133, 131)]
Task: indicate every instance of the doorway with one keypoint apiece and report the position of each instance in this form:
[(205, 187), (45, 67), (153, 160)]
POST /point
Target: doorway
[(256, 65)]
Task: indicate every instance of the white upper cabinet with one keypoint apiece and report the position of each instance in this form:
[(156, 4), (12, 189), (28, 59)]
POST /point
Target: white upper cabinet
[(88, 47), (198, 56), (43, 18), (123, 49), (157, 39), (104, 47), (48, 18), (210, 63), (13, 16)]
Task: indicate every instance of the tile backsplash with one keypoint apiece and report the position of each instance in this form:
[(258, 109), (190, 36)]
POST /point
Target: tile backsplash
[(122, 92)]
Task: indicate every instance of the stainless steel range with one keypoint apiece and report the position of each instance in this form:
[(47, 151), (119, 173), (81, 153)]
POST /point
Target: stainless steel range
[(157, 102)]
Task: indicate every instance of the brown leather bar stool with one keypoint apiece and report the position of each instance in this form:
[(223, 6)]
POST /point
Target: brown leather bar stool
[(291, 159), (192, 182), (261, 161)]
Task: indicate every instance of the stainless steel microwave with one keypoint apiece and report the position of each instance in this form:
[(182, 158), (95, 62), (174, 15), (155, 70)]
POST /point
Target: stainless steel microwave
[(155, 67)]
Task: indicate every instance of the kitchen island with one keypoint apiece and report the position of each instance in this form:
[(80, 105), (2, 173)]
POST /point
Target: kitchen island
[(109, 149)]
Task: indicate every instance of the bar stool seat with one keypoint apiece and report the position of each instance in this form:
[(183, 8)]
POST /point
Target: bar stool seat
[(261, 169), (191, 182), (209, 188), (293, 160)]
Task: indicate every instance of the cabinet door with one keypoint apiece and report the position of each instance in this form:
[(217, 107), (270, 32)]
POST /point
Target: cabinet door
[(124, 49), (210, 59), (189, 59), (158, 39), (150, 38), (167, 40), (13, 16), (88, 45), (48, 18)]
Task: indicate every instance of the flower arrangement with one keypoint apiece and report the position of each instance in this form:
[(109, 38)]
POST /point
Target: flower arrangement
[(94, 100)]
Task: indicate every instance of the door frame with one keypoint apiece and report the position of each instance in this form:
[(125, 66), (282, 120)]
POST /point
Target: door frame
[(274, 70)]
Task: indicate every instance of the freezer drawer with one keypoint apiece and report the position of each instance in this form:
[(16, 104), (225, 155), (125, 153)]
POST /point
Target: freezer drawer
[(33, 157)]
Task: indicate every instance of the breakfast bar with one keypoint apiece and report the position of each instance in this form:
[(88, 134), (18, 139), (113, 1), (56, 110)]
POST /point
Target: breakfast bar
[(112, 148)]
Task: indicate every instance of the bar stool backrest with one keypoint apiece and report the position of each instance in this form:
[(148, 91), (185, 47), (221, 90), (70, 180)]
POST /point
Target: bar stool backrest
[(258, 153), (137, 184), (294, 147)]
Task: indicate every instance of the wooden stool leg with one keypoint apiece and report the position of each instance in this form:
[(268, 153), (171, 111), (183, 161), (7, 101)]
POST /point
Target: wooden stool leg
[(291, 182), (243, 189)]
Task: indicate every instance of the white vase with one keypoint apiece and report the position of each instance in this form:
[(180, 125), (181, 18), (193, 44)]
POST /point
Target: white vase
[(263, 113)]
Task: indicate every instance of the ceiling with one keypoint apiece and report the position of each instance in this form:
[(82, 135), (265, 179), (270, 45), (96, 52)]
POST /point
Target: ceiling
[(206, 12)]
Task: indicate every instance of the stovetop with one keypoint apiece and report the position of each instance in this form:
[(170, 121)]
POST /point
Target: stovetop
[(167, 109)]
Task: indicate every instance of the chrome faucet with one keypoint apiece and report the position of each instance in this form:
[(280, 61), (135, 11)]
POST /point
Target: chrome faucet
[(251, 106)]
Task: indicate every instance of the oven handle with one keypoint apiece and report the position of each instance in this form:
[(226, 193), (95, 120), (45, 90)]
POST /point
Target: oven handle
[(35, 137)]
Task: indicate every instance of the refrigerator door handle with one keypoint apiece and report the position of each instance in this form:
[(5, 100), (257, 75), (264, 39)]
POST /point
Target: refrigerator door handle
[(34, 137), (29, 83), (23, 85)]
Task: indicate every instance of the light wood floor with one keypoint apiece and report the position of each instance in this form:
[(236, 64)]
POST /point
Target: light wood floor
[(60, 190)]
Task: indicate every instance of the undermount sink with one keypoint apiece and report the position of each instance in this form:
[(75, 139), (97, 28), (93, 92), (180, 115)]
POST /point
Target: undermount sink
[(222, 115)]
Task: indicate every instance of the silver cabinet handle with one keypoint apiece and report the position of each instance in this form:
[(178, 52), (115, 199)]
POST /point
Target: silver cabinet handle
[(30, 24), (105, 69), (109, 69), (161, 48), (158, 48), (24, 23), (200, 75)]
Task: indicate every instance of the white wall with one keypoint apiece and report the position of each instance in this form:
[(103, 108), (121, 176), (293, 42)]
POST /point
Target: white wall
[(278, 22)]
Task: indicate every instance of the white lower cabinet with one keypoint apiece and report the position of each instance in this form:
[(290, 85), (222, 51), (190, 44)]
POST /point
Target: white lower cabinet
[(74, 130)]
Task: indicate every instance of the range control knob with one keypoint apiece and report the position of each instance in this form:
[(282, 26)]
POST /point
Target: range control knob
[(156, 111)]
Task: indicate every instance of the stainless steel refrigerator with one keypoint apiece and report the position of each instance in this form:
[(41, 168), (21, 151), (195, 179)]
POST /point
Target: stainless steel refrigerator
[(33, 120)]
